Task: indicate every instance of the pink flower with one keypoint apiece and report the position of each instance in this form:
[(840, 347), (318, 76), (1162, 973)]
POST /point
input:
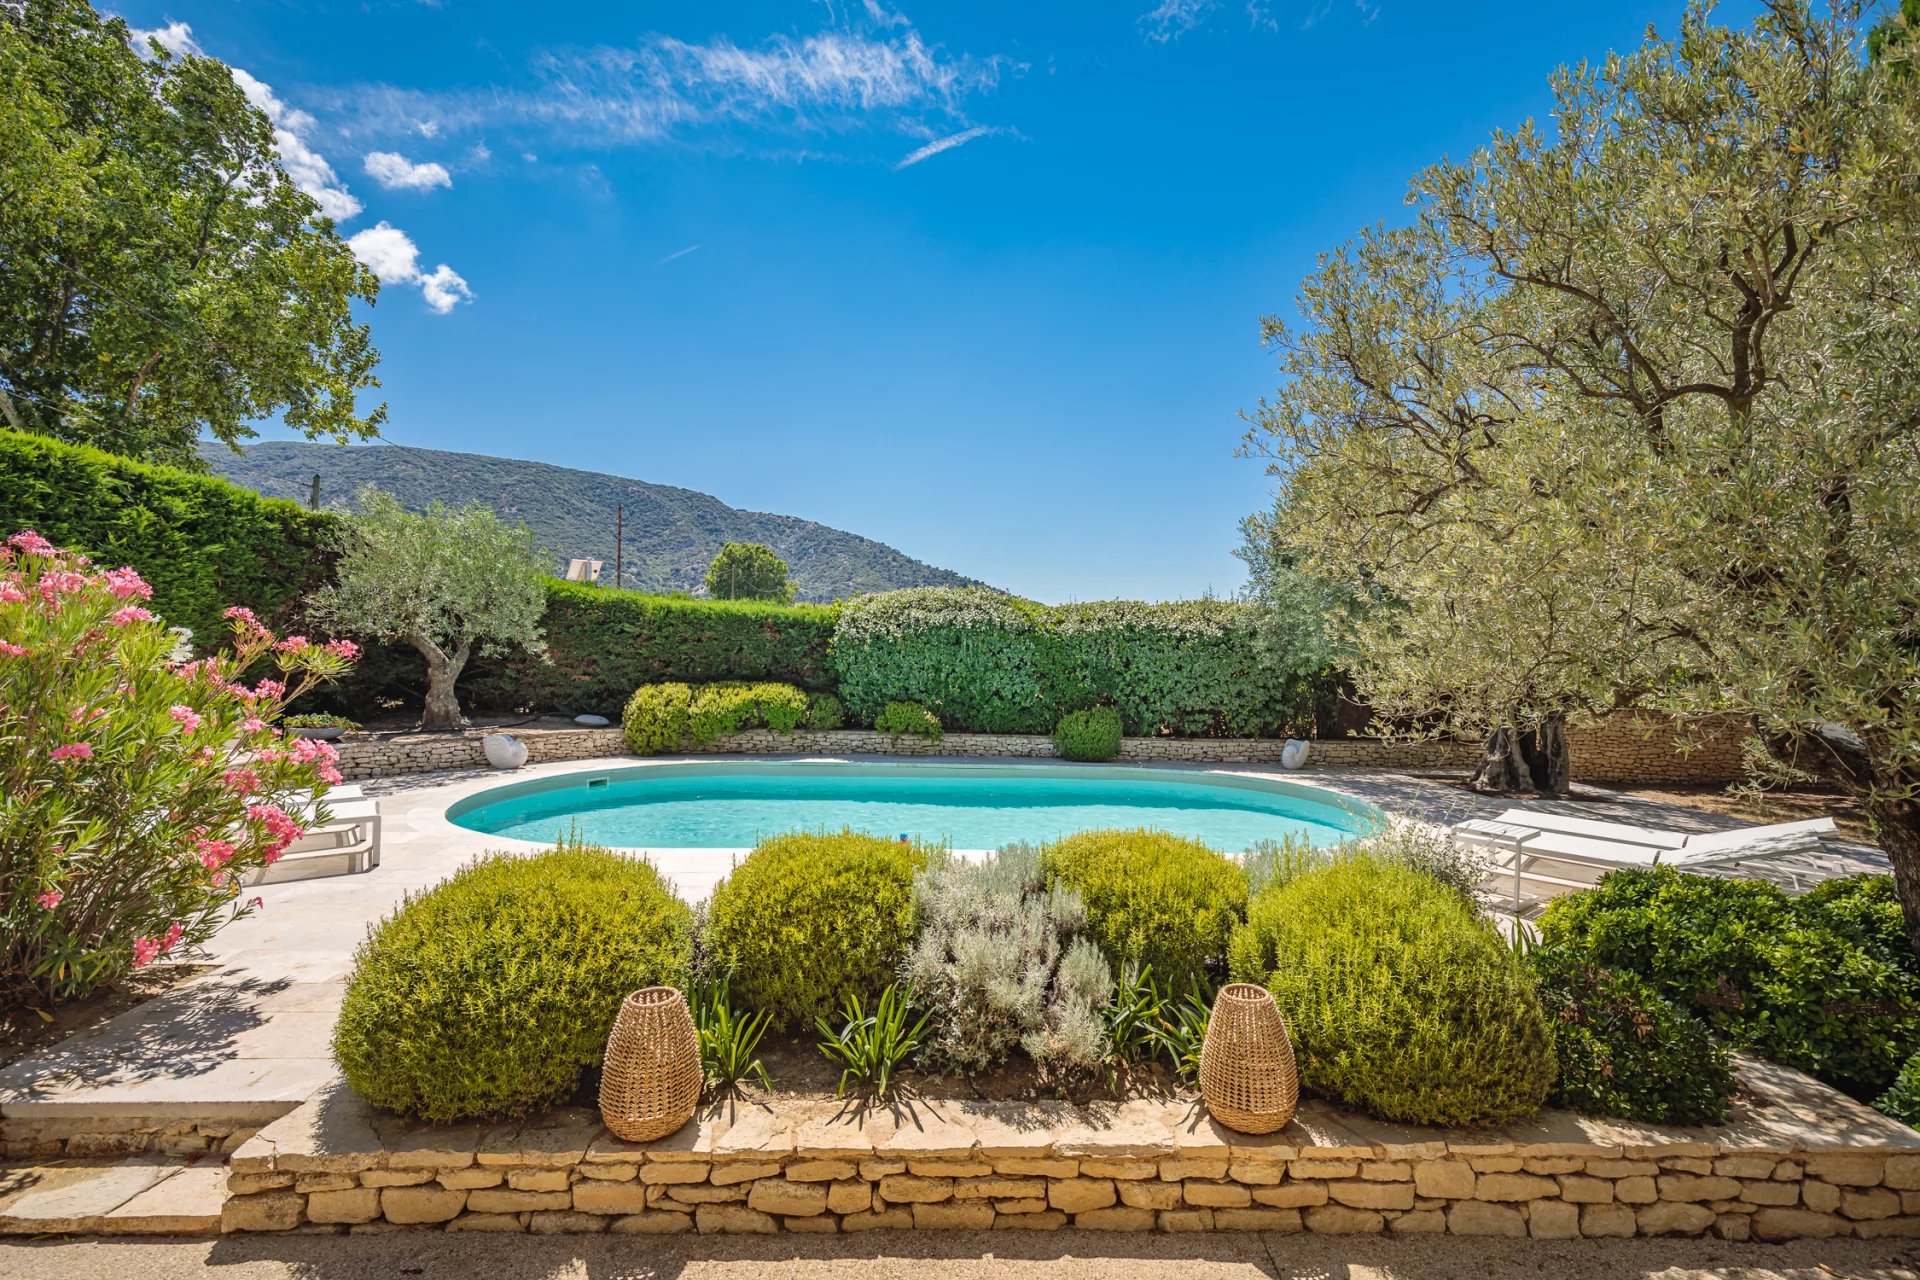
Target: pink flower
[(10, 593), (243, 781), (292, 644), (240, 613), (29, 543), (124, 582), (50, 899), (129, 614), (145, 951), (172, 936), (253, 724), (60, 582), (343, 649), (72, 751), (13, 650), (254, 904), (215, 854), (330, 775), (189, 718), (269, 689)]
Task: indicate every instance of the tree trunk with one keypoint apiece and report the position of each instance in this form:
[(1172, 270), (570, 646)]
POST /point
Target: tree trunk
[(442, 709), (1896, 821), (1518, 760)]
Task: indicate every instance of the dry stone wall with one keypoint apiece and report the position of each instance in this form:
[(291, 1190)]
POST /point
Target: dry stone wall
[(1134, 1166), (1620, 750)]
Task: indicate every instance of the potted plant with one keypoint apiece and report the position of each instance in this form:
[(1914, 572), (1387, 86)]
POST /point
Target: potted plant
[(324, 727)]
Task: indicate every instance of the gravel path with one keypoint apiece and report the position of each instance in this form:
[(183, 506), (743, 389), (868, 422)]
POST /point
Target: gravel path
[(944, 1255)]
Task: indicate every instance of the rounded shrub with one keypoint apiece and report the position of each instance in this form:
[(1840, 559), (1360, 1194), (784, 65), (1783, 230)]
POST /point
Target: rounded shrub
[(825, 711), (730, 706), (656, 717), (910, 719), (489, 994), (1153, 897), (1093, 734), (1399, 1000), (1815, 982), (808, 919), (1624, 1049)]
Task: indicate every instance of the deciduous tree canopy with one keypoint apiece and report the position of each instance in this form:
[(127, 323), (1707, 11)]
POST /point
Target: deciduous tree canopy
[(159, 272)]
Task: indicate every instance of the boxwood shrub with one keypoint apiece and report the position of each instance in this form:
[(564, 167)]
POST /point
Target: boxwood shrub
[(1814, 982), (1624, 1049), (1153, 897), (908, 719), (488, 995), (808, 919), (1399, 1000), (672, 716), (1093, 734)]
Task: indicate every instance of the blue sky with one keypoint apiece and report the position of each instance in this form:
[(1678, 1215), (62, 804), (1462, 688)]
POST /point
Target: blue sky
[(982, 280)]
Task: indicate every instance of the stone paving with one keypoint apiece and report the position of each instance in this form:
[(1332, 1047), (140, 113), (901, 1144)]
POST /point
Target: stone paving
[(249, 1042)]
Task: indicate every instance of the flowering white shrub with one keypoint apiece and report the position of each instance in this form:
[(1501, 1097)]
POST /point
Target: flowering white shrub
[(137, 789)]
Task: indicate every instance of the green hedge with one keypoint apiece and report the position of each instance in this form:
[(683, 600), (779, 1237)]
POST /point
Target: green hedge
[(605, 643), (202, 543), (988, 663)]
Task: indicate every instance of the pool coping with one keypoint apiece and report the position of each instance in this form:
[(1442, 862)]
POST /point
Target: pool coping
[(1264, 780)]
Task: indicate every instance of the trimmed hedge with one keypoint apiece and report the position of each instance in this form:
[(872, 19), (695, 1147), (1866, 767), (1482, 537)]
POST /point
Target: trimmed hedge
[(1153, 897), (605, 643), (989, 663), (1399, 1000), (202, 544), (808, 919), (490, 994), (1815, 982)]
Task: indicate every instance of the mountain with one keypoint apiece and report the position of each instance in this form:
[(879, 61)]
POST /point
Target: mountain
[(671, 534)]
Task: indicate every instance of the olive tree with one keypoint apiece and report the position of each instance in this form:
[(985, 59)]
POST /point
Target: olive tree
[(446, 581), (1628, 414)]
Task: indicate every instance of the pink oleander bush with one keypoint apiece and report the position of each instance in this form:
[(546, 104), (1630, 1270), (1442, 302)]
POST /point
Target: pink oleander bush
[(138, 787)]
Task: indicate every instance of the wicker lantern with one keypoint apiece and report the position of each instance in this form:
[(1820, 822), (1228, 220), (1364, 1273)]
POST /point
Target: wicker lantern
[(650, 1083), (1246, 1062)]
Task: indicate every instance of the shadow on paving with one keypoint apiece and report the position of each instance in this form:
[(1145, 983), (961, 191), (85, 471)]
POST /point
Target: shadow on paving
[(1058, 1255)]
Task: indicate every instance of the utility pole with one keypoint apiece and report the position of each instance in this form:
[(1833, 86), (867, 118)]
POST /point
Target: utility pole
[(619, 531)]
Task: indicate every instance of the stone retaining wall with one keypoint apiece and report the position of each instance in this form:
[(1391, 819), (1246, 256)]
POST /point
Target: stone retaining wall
[(1134, 1166), (1620, 750), (95, 1136)]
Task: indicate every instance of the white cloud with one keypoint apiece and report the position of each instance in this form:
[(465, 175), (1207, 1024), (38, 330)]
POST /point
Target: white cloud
[(397, 173), (1171, 19), (428, 128), (391, 254), (841, 79), (938, 145), (677, 253), (308, 168), (443, 289), (176, 38)]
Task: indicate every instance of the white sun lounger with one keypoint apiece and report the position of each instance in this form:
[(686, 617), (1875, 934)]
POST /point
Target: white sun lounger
[(349, 842), (1559, 854)]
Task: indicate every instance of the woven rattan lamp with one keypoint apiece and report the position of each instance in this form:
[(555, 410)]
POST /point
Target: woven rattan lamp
[(1246, 1062), (650, 1083)]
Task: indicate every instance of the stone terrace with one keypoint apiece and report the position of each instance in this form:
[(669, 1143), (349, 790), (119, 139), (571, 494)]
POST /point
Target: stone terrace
[(1796, 1161)]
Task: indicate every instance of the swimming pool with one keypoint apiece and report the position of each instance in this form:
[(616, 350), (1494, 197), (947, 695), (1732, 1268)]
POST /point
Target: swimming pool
[(732, 805)]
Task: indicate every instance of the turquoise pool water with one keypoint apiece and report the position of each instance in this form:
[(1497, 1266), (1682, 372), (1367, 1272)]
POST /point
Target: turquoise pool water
[(733, 805)]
